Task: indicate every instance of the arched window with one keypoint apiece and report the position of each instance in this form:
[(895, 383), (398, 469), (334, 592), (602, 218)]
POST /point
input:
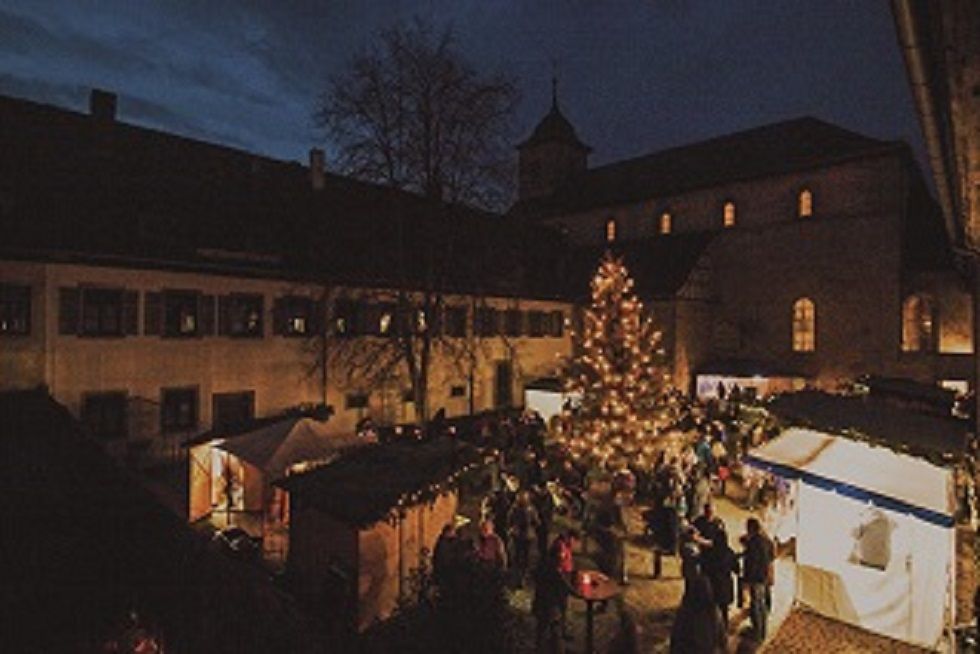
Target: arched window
[(804, 325), (666, 225), (728, 215), (610, 230), (806, 203), (917, 324)]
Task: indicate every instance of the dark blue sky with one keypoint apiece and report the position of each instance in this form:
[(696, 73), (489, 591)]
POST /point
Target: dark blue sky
[(636, 76)]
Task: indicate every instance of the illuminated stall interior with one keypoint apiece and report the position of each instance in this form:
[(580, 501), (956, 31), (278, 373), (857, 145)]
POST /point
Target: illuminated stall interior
[(231, 476)]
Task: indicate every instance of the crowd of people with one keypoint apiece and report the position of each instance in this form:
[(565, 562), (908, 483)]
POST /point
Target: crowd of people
[(531, 482)]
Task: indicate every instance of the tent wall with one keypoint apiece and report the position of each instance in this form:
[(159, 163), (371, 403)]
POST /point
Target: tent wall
[(547, 403), (253, 482), (389, 554), (900, 588), (199, 482)]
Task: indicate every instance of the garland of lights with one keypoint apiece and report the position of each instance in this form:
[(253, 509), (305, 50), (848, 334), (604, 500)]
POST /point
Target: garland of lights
[(617, 371)]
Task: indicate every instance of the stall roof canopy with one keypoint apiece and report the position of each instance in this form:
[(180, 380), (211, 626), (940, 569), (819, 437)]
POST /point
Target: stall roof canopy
[(275, 447), (364, 486), (898, 482), (901, 427)]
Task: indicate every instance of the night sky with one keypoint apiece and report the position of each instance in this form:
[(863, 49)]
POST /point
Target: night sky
[(635, 76)]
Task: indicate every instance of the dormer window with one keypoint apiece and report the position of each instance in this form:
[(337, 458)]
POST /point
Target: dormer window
[(805, 203), (666, 223), (610, 230), (728, 214)]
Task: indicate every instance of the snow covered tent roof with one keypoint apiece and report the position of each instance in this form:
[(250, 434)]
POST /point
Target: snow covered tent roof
[(275, 447), (879, 475)]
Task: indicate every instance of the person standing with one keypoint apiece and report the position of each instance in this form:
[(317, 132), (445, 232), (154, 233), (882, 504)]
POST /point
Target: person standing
[(523, 521), (758, 557), (490, 548), (698, 628), (544, 504), (445, 554), (719, 563), (559, 572)]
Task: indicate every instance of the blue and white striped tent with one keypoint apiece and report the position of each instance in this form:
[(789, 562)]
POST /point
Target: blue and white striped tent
[(875, 532)]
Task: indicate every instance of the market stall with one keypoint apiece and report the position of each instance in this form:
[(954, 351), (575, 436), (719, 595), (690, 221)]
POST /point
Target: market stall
[(361, 527), (231, 476), (875, 533)]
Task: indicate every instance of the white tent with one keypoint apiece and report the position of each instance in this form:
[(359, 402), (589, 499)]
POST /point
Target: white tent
[(258, 458), (875, 533), (275, 448)]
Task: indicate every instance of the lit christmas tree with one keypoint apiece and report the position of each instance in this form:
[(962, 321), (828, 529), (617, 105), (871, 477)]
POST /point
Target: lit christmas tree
[(618, 373)]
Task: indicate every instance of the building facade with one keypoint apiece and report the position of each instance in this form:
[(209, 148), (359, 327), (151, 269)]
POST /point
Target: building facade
[(797, 250), (159, 287)]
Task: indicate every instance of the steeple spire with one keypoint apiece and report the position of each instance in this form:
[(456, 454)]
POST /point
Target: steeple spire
[(554, 84)]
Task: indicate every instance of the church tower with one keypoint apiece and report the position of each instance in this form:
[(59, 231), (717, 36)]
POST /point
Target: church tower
[(551, 155)]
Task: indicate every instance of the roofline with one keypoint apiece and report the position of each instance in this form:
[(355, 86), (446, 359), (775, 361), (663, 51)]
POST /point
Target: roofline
[(917, 50), (886, 147), (81, 115)]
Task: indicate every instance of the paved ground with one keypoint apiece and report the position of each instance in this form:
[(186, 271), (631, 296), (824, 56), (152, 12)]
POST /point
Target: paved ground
[(804, 632)]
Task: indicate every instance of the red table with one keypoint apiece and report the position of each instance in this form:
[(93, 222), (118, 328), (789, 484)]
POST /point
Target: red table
[(592, 586)]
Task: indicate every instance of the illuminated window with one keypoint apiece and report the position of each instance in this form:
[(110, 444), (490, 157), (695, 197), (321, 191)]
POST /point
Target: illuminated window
[(665, 223), (610, 231), (239, 314), (293, 316), (180, 313), (15, 309), (347, 318), (806, 203), (804, 325), (729, 214), (917, 324)]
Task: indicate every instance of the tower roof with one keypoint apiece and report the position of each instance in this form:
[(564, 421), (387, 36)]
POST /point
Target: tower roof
[(554, 127)]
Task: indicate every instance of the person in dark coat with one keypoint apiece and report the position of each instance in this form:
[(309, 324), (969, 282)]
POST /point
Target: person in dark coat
[(523, 522), (547, 610), (545, 506), (445, 554), (719, 564), (698, 628), (757, 574)]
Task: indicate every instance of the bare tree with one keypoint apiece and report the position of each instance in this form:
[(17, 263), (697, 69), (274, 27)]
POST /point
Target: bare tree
[(411, 115)]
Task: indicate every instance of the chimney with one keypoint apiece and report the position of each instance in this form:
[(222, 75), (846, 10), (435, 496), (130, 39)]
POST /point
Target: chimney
[(102, 106), (317, 176)]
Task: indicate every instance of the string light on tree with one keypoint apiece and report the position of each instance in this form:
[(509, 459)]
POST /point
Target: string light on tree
[(617, 372)]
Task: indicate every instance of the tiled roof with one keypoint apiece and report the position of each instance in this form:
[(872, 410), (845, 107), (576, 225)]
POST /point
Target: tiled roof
[(362, 487), (88, 544), (73, 187), (554, 128), (659, 265), (769, 150)]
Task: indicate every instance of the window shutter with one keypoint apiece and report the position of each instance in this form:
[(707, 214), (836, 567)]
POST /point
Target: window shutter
[(557, 323), (130, 312), (205, 312), (224, 315), (153, 314), (69, 305), (279, 316)]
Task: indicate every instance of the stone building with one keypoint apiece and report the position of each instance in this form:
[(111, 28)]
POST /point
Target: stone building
[(159, 286), (798, 250)]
